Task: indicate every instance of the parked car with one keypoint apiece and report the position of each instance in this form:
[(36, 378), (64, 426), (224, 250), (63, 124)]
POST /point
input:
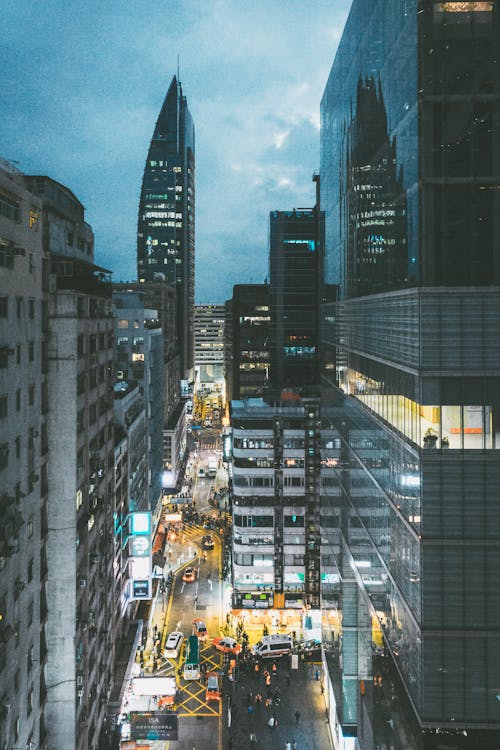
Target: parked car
[(212, 691), (189, 575), (200, 629), (311, 648), (227, 645)]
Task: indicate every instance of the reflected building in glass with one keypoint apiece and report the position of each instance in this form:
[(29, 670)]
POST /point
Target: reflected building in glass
[(410, 170)]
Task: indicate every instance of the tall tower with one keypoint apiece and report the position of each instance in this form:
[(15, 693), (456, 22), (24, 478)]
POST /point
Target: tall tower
[(165, 233), (410, 166)]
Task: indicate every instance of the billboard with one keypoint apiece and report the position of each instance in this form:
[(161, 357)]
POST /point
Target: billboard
[(140, 554), (153, 725)]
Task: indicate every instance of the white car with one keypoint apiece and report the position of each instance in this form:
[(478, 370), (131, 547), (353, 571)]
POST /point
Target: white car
[(173, 645)]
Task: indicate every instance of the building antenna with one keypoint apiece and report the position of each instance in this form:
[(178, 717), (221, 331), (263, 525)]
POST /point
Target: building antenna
[(178, 70)]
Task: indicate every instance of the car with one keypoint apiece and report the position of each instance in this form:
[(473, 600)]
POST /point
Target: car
[(201, 473), (227, 645), (200, 629), (173, 645), (212, 692), (311, 648), (189, 575), (207, 542)]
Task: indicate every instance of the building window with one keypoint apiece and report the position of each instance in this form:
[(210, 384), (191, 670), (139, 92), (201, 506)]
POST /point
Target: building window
[(32, 308), (31, 351), (30, 528), (9, 208), (29, 659), (18, 400), (4, 307), (30, 570), (3, 406), (18, 447), (29, 702), (34, 220), (81, 345), (4, 455), (81, 244), (31, 395), (123, 324), (71, 239), (19, 307), (18, 354)]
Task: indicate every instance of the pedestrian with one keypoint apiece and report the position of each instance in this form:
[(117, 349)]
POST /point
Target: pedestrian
[(249, 710), (274, 667), (268, 679), (253, 737), (258, 699), (297, 718), (267, 702), (155, 665), (294, 745), (317, 674), (288, 746), (249, 697), (270, 722), (275, 721)]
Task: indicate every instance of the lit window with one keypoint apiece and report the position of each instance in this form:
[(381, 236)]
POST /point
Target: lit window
[(34, 219)]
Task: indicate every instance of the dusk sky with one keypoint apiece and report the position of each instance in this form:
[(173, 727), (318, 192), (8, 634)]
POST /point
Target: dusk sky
[(83, 83)]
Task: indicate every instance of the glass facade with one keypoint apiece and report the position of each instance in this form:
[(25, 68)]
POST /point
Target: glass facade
[(410, 168), (165, 233)]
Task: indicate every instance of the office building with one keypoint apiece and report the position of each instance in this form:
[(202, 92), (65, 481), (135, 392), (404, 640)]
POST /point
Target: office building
[(23, 464), (294, 272), (410, 157), (247, 354), (209, 321), (166, 225), (139, 359), (160, 296), (275, 496), (130, 415)]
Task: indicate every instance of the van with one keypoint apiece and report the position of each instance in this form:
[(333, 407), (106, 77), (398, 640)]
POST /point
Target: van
[(173, 645), (273, 646)]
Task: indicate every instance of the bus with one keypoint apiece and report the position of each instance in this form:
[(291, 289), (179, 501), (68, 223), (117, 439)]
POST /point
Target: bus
[(212, 467), (191, 664)]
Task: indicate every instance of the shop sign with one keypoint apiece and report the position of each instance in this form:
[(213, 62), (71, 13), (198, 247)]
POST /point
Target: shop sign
[(153, 725), (140, 589), (140, 546), (294, 603), (256, 601)]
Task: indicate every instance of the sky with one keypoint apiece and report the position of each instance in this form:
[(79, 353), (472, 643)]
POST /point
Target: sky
[(83, 83)]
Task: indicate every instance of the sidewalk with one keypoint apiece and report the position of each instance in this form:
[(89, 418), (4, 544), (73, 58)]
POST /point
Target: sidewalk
[(303, 694)]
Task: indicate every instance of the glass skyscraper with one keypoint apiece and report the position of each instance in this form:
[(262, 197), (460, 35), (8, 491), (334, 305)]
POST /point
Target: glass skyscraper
[(166, 225), (410, 175)]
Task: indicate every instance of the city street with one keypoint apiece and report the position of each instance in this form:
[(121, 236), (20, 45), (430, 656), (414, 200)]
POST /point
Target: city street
[(200, 723)]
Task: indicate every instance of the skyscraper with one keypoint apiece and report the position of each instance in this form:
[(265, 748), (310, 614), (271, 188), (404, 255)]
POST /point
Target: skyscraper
[(166, 225), (294, 268), (410, 157)]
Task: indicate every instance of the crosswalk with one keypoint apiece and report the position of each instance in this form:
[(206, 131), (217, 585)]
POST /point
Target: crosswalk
[(193, 532)]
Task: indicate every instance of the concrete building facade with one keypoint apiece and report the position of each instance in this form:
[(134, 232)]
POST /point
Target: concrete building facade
[(23, 464)]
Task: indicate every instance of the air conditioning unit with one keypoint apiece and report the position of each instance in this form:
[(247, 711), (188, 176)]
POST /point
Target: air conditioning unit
[(120, 375), (79, 680), (82, 582), (79, 692)]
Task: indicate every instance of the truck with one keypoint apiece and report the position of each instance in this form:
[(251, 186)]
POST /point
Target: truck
[(212, 467)]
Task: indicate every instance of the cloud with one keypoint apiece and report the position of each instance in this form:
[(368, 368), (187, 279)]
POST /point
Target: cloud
[(83, 85)]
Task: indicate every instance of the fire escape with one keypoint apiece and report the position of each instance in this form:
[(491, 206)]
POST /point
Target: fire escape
[(312, 446), (278, 504)]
